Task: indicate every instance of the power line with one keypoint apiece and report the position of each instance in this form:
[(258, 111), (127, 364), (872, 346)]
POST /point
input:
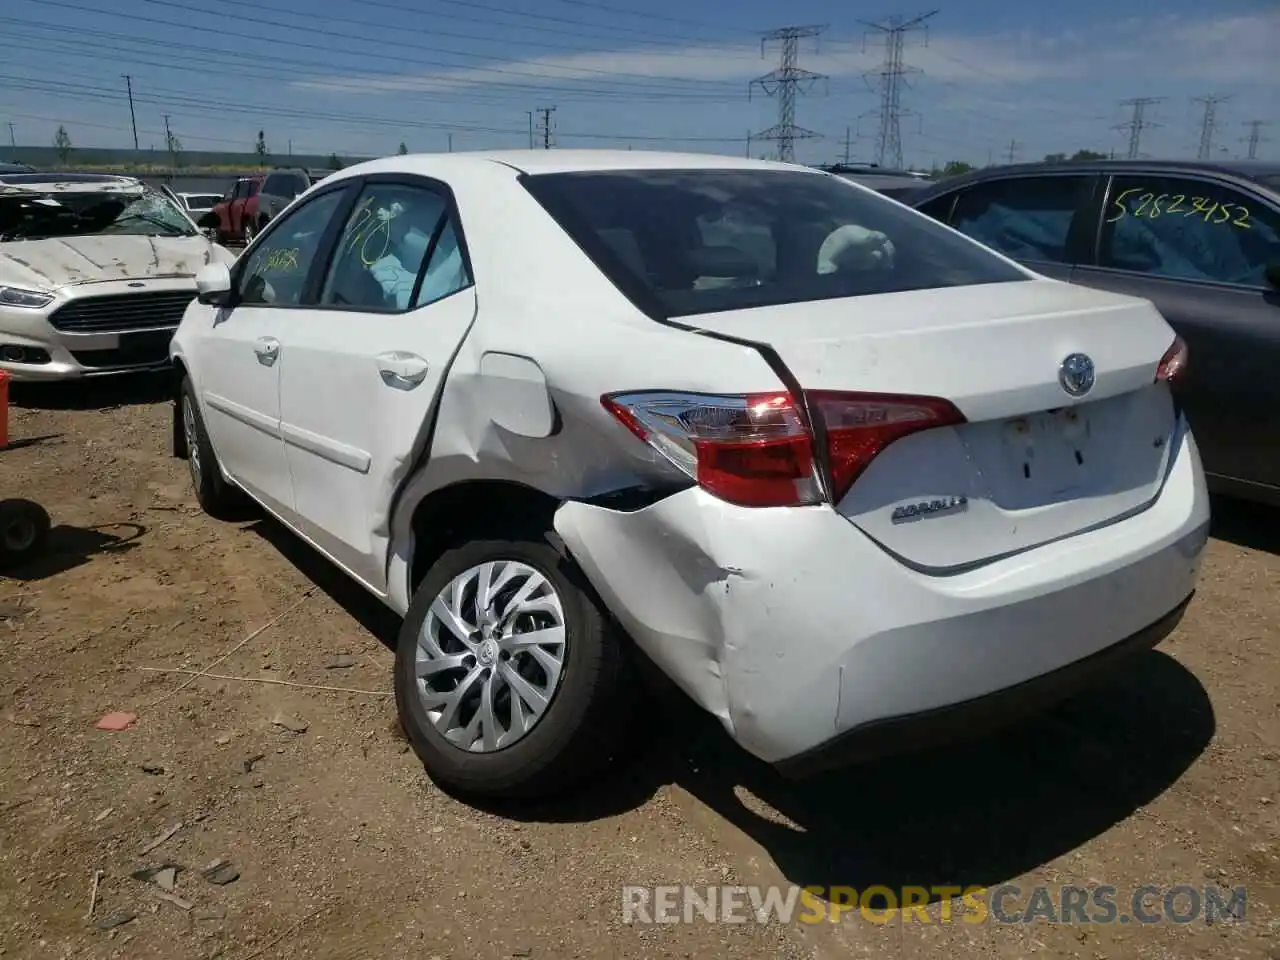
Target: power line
[(1138, 122), (1255, 136), (1208, 125), (892, 73), (416, 61), (786, 82)]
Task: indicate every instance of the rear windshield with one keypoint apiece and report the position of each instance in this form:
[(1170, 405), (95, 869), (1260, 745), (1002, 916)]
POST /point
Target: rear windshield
[(683, 242)]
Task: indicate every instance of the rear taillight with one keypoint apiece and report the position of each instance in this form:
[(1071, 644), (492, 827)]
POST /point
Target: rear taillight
[(755, 449), (860, 425), (752, 450), (1174, 362)]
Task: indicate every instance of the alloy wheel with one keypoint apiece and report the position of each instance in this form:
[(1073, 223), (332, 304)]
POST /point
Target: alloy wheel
[(490, 655), (192, 435)]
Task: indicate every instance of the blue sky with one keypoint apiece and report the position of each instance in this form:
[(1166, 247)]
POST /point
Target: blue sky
[(359, 78)]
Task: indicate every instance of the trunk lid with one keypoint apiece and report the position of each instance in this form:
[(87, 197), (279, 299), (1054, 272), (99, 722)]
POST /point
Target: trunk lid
[(1032, 464)]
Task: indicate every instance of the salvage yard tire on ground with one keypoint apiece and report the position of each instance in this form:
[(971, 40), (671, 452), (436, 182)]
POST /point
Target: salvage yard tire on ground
[(216, 496), (510, 681), (24, 530)]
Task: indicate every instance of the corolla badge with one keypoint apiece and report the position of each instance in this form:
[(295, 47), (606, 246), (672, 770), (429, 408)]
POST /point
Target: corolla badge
[(927, 508), (1076, 374)]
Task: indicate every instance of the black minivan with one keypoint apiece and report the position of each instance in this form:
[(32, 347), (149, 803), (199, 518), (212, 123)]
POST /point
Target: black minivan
[(1199, 240)]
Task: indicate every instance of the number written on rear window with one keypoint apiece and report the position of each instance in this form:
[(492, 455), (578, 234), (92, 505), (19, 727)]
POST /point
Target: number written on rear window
[(1141, 201), (1185, 228)]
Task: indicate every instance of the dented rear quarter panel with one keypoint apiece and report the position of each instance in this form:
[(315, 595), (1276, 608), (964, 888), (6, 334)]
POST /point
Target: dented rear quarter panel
[(539, 297)]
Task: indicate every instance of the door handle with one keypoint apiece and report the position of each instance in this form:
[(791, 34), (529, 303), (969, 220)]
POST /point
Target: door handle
[(267, 349), (404, 371)]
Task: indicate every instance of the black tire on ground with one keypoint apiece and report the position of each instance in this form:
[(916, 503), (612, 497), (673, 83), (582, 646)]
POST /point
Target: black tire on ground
[(24, 531), (219, 499), (584, 726)]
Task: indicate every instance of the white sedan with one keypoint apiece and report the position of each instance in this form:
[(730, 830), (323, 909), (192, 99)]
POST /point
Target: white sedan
[(846, 476)]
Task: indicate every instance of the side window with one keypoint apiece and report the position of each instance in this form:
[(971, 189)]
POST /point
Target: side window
[(382, 247), (1025, 218), (277, 269), (253, 187), (939, 207), (447, 272), (1188, 230), (240, 188)]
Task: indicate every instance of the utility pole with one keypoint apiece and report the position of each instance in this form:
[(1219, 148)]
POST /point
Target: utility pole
[(545, 113), (848, 155), (786, 82), (530, 113), (1254, 138), (12, 142), (1208, 126), (1013, 149), (133, 118), (1139, 121), (451, 143), (892, 74), (748, 144), (168, 142)]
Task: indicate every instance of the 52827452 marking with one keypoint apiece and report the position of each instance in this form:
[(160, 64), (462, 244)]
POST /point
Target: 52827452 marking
[(1152, 205)]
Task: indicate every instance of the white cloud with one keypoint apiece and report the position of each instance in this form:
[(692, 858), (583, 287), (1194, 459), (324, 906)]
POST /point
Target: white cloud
[(1227, 50)]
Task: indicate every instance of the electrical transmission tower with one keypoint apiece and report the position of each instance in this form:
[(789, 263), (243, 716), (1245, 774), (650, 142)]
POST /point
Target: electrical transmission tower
[(1139, 121), (1255, 137), (544, 125), (1208, 125), (786, 82), (892, 75)]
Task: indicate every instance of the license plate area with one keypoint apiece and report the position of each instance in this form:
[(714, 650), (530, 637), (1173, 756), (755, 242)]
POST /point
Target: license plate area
[(1049, 454)]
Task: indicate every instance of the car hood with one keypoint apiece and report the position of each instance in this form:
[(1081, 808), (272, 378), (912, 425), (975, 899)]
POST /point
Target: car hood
[(66, 261)]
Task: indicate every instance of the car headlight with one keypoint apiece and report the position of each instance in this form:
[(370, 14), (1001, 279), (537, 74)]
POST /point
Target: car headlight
[(21, 297)]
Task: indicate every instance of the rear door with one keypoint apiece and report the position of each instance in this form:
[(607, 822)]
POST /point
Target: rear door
[(363, 367), (1198, 248), (1040, 220)]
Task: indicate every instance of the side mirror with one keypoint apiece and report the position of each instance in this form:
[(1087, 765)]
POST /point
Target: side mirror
[(1272, 274), (213, 285)]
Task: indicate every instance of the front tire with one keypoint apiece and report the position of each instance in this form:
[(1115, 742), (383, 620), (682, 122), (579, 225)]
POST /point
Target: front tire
[(493, 711), (216, 496)]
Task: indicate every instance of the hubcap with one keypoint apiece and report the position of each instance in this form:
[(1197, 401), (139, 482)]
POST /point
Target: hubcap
[(490, 655), (193, 442)]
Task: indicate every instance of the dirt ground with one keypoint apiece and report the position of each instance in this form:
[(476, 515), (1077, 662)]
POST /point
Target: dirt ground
[(1168, 774)]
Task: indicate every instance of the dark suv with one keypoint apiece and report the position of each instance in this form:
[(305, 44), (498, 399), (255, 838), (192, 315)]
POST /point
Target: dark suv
[(1199, 240)]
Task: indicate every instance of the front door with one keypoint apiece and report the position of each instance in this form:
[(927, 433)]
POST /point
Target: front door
[(241, 358), (1198, 249), (365, 367)]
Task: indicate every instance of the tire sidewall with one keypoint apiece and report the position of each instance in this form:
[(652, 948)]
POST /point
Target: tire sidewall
[(212, 486), (31, 513), (570, 703)]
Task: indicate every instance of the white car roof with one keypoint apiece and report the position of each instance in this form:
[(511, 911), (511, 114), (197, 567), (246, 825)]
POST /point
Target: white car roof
[(561, 161)]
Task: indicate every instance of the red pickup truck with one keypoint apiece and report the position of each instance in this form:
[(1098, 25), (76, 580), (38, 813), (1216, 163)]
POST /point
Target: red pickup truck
[(252, 203)]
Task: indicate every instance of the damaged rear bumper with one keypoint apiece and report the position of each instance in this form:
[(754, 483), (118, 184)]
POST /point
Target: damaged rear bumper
[(803, 637)]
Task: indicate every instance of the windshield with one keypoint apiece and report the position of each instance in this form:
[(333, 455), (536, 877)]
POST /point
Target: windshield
[(683, 242), (37, 216)]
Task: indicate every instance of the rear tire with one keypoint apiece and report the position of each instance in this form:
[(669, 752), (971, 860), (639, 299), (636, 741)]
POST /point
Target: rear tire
[(579, 730), (24, 531), (216, 496)]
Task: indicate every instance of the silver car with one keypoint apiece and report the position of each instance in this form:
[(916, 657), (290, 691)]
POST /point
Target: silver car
[(95, 273)]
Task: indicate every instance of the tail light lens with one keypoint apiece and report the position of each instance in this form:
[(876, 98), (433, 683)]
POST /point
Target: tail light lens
[(752, 450), (755, 450), (860, 425), (1174, 362)]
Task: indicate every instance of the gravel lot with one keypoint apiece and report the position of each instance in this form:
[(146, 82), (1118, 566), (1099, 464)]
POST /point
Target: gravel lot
[(1169, 774)]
